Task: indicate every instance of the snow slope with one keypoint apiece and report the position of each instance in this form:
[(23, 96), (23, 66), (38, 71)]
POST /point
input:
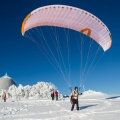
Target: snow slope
[(93, 106)]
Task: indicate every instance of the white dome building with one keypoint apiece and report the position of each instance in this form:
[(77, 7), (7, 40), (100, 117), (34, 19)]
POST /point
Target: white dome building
[(6, 82)]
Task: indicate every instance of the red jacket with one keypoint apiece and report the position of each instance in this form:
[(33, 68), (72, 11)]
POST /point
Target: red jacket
[(56, 93)]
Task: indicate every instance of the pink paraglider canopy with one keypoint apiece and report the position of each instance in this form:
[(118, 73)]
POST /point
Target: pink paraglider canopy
[(72, 18)]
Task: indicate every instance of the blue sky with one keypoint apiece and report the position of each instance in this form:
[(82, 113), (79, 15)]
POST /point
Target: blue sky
[(22, 60)]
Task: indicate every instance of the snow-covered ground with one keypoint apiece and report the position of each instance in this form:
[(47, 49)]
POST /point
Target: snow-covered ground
[(93, 106)]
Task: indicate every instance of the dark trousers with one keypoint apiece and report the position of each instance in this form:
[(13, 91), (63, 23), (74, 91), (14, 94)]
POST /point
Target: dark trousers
[(75, 101), (56, 97), (52, 98)]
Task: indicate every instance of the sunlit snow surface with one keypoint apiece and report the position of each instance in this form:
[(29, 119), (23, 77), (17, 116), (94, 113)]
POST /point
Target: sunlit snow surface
[(93, 106)]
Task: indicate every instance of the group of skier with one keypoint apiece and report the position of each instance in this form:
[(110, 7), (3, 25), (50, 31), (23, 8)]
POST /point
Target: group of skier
[(54, 94), (73, 97)]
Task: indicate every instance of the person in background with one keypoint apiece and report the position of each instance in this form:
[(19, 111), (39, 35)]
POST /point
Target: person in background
[(74, 98), (52, 95), (4, 96), (56, 94)]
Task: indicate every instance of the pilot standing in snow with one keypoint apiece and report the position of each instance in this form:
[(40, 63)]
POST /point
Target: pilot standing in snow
[(74, 98)]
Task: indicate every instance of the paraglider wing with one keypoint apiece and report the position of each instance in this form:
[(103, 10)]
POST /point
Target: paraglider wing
[(72, 18)]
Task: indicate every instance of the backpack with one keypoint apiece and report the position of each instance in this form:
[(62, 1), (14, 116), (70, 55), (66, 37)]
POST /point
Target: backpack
[(71, 99)]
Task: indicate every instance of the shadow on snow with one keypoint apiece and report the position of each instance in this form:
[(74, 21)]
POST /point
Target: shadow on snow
[(87, 106), (114, 97)]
